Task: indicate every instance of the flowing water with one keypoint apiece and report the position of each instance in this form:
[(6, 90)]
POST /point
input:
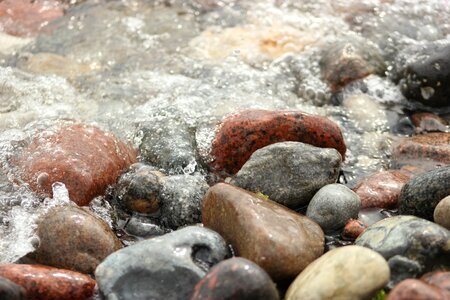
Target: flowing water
[(174, 67)]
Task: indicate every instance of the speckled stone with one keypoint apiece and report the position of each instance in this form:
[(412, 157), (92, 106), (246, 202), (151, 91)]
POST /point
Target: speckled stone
[(75, 239), (438, 279), (413, 289), (349, 272), (279, 240), (411, 245), (238, 136), (290, 173), (235, 278), (83, 157), (11, 291), (421, 194), (46, 283), (441, 213)]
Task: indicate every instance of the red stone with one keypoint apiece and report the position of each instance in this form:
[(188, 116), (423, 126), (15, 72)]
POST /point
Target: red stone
[(47, 283), (242, 134), (83, 157), (414, 289), (27, 17), (353, 229), (438, 279)]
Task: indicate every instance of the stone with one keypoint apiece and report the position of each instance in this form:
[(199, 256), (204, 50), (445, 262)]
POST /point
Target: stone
[(349, 272), (235, 278), (140, 226), (165, 267), (83, 157), (47, 283), (420, 195), (290, 173), (428, 122), (11, 291), (428, 80), (434, 147), (50, 63), (279, 240), (438, 279), (413, 289), (366, 112), (381, 189), (353, 229), (441, 213), (238, 136), (332, 206), (412, 246), (73, 238), (347, 60)]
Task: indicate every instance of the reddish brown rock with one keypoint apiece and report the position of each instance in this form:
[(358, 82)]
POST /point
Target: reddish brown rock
[(430, 147), (28, 17), (279, 240), (353, 229), (83, 157), (46, 283), (242, 134), (438, 279), (414, 289), (428, 122)]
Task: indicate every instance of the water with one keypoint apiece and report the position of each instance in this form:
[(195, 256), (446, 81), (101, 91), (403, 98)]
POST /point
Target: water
[(159, 74)]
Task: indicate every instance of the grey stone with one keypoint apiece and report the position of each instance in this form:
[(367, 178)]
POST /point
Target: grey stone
[(11, 291), (166, 267), (289, 173), (421, 194), (411, 244), (333, 205)]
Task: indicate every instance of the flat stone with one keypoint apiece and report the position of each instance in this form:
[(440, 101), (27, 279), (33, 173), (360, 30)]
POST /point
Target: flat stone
[(441, 213), (75, 239), (290, 173), (165, 267), (420, 196), (349, 272), (413, 289), (333, 205), (235, 278), (412, 246), (47, 283), (438, 279), (83, 157), (11, 291), (238, 136), (279, 240)]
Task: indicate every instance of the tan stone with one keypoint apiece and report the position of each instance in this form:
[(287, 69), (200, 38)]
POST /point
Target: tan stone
[(442, 213)]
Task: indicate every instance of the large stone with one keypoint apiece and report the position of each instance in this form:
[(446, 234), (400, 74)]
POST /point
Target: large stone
[(441, 213), (290, 173), (73, 238), (333, 205), (279, 240), (350, 272), (83, 157), (46, 283), (413, 289), (235, 278), (166, 267), (11, 291), (412, 246), (421, 194), (242, 134)]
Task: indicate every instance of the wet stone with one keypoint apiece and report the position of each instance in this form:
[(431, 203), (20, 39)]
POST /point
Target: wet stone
[(428, 122), (353, 229), (73, 238), (166, 267), (332, 206), (47, 283), (421, 195), (11, 291), (412, 246), (83, 157), (235, 278), (279, 240), (290, 173), (143, 227), (441, 213), (438, 279), (413, 289), (352, 272), (238, 136)]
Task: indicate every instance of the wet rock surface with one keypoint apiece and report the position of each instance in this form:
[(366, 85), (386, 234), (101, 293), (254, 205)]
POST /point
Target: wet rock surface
[(11, 291), (279, 240), (290, 173)]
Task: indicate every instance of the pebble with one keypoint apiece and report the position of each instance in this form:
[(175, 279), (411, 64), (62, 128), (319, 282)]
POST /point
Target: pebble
[(290, 173), (441, 214), (420, 195), (235, 278), (73, 238), (11, 291), (349, 272), (332, 206), (239, 135), (279, 240), (414, 289), (410, 245), (428, 122), (165, 267), (83, 157), (47, 283), (353, 229)]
